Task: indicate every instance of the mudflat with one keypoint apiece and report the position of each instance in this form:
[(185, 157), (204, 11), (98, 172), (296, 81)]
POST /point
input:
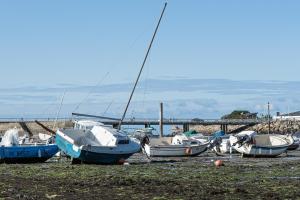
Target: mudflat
[(172, 178)]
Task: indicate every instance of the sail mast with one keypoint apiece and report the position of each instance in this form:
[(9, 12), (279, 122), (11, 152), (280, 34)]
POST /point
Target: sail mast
[(269, 119), (145, 59)]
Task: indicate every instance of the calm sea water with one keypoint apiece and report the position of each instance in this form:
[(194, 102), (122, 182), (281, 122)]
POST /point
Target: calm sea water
[(167, 129)]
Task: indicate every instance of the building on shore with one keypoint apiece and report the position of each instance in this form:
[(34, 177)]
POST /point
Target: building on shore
[(288, 116)]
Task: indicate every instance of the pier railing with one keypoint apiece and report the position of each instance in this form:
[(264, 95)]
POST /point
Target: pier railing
[(16, 120), (151, 121)]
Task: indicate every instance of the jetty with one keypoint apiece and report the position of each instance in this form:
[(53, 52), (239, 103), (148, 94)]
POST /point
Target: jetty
[(6, 123)]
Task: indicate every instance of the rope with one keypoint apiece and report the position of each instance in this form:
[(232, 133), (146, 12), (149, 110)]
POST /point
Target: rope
[(91, 91)]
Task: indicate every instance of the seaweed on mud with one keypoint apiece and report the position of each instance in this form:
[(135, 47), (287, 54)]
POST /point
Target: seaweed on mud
[(194, 179)]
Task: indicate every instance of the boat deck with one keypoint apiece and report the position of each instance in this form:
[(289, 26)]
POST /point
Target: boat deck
[(81, 137)]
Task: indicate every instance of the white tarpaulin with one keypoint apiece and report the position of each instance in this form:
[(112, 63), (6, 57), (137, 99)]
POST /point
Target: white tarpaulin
[(10, 138)]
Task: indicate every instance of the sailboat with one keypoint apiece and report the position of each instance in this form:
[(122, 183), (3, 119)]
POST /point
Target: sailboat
[(100, 144)]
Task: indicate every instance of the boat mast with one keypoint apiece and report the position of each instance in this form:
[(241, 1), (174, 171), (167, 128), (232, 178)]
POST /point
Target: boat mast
[(145, 59), (269, 120), (59, 109)]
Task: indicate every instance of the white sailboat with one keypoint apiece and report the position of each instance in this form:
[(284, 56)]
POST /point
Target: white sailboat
[(98, 143)]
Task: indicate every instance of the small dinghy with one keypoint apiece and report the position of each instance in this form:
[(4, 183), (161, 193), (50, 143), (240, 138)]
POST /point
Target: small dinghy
[(223, 146), (14, 150), (249, 143), (219, 141), (100, 145), (176, 146), (44, 137)]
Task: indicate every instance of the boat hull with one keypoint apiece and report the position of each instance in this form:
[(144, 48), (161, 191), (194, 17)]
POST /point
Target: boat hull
[(27, 154), (93, 155), (254, 150), (174, 150), (293, 146), (224, 148), (88, 157), (294, 142), (262, 151)]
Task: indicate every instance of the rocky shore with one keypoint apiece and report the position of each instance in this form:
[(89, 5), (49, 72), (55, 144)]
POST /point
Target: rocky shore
[(34, 127), (276, 126), (279, 127)]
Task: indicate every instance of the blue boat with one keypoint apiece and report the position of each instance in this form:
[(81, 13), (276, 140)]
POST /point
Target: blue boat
[(27, 153), (100, 145), (18, 150)]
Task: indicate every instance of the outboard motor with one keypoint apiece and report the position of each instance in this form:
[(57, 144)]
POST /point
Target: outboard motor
[(215, 142), (241, 140), (144, 140)]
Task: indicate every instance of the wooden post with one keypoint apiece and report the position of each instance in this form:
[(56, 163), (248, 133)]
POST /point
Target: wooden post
[(186, 127), (161, 121)]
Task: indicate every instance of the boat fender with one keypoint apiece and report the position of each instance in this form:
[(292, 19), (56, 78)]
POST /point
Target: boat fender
[(121, 161), (253, 141), (188, 151), (145, 140)]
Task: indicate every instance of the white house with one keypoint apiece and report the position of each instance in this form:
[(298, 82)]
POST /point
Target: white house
[(288, 116)]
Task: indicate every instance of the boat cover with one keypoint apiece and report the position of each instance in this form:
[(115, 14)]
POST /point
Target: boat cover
[(190, 133), (10, 138), (217, 134)]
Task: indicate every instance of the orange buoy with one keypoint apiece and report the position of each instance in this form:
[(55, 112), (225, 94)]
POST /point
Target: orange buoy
[(121, 161), (219, 163)]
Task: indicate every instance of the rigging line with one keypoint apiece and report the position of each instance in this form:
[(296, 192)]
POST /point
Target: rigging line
[(59, 109), (146, 85), (48, 106), (122, 57), (91, 91), (109, 105), (141, 104), (116, 63)]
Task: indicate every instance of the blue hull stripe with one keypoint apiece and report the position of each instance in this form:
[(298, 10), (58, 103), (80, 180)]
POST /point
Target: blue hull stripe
[(27, 154)]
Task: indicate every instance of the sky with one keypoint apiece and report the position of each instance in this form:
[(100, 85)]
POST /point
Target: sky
[(81, 47)]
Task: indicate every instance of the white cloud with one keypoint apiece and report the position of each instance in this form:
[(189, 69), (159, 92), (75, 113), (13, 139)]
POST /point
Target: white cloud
[(204, 98)]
